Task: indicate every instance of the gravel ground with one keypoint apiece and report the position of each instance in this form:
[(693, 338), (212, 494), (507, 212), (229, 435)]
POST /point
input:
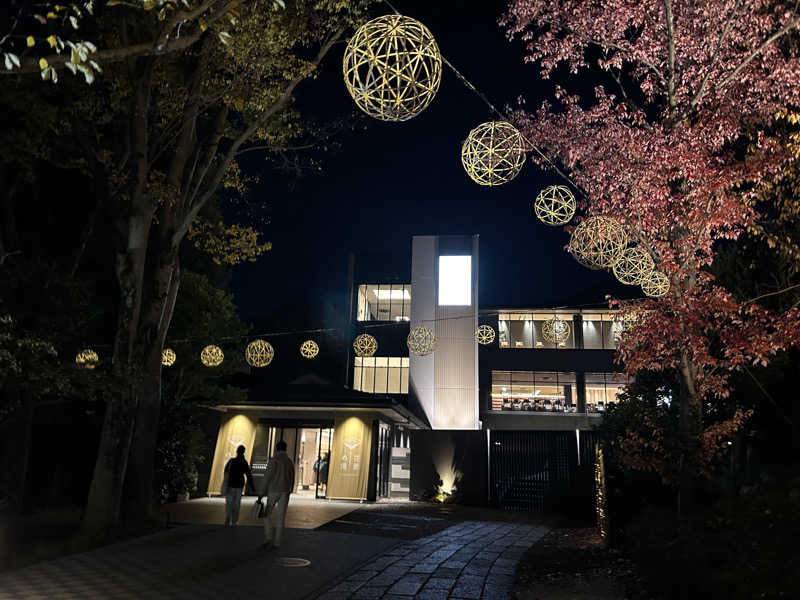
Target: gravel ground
[(574, 564)]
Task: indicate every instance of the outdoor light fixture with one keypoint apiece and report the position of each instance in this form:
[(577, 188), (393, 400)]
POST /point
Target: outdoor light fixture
[(633, 267), (493, 153), (555, 205), (365, 345), (212, 356), (392, 68), (393, 294), (598, 242), (259, 353), (455, 280), (421, 340), (655, 285), (87, 359), (168, 357), (484, 335), (556, 330), (309, 349)]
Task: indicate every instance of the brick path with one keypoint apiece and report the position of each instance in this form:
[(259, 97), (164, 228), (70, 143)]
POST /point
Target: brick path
[(472, 560)]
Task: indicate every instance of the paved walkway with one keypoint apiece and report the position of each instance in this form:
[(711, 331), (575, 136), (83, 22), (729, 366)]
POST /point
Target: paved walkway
[(471, 560), (198, 562), (423, 552), (303, 512)]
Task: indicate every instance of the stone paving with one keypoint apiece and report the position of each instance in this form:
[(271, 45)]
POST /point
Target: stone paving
[(473, 560)]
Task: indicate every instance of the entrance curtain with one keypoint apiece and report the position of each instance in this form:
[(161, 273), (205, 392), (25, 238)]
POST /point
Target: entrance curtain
[(349, 467), (234, 430)]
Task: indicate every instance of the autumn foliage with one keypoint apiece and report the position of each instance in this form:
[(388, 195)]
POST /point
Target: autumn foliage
[(676, 141)]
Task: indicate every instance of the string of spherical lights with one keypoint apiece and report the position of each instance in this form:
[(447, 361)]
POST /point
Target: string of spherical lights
[(365, 345), (484, 335), (168, 357), (212, 356), (392, 68), (87, 359), (555, 205), (259, 353), (309, 349), (556, 330), (598, 242), (633, 266), (421, 340), (493, 153)]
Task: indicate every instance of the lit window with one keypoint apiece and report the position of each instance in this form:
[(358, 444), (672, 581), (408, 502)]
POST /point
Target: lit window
[(381, 374), (455, 280), (384, 302)]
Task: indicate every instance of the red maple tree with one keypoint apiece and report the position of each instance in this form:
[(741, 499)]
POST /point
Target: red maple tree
[(673, 142)]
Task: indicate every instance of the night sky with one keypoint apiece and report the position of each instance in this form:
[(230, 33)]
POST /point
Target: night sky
[(391, 181)]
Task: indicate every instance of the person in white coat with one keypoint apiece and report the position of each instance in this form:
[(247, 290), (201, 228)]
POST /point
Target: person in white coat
[(277, 484)]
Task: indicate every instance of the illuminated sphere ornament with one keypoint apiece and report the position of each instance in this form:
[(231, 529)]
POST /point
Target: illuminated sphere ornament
[(655, 285), (556, 330), (633, 267), (555, 205), (168, 357), (392, 68), (493, 153), (87, 359), (212, 356), (309, 349), (259, 353), (421, 340), (598, 242), (484, 334), (365, 345)]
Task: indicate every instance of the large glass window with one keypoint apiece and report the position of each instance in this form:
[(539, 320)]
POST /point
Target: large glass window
[(603, 389), (384, 302), (600, 331), (381, 374), (525, 330), (540, 391)]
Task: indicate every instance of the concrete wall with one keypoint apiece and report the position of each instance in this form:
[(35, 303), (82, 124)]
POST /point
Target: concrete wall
[(446, 381), (453, 460)]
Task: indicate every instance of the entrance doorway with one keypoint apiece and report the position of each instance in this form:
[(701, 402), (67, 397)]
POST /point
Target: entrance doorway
[(309, 447)]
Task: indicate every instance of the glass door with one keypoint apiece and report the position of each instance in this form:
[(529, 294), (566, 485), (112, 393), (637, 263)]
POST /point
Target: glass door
[(322, 464)]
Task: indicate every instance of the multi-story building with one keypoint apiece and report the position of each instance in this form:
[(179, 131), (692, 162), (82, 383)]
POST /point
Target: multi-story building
[(509, 422)]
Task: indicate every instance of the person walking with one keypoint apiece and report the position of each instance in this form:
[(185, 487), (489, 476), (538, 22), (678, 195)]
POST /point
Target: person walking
[(277, 485), (236, 470)]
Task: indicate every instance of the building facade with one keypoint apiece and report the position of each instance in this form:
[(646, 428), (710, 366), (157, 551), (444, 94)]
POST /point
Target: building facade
[(511, 420)]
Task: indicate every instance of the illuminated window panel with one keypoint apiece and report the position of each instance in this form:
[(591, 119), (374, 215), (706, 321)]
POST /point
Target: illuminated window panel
[(455, 281), (381, 374), (529, 391), (384, 302)]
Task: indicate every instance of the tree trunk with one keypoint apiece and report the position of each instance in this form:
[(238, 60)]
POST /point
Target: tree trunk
[(690, 420), (15, 437), (140, 488)]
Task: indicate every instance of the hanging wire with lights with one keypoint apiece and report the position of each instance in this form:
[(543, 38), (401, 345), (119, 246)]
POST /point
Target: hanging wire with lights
[(392, 67), (212, 356), (484, 335), (421, 340), (259, 353)]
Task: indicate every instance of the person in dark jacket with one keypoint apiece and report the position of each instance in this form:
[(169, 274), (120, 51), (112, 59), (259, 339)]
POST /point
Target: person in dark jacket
[(235, 471)]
